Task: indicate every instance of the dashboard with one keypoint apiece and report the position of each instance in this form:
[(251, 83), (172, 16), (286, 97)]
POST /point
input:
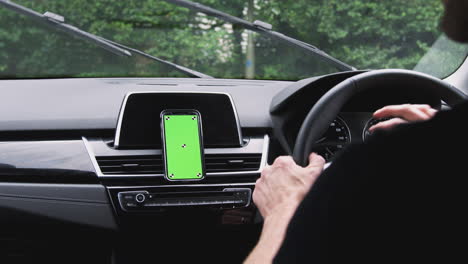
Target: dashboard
[(88, 152)]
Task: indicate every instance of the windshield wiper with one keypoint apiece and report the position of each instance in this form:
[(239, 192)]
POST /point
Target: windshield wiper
[(192, 73), (263, 28), (58, 21)]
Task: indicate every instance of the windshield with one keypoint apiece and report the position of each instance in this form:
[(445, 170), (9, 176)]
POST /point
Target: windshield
[(368, 34)]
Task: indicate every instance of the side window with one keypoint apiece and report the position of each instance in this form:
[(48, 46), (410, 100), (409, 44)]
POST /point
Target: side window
[(443, 58)]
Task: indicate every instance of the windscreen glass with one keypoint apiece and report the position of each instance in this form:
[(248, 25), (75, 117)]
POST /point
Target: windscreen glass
[(368, 34)]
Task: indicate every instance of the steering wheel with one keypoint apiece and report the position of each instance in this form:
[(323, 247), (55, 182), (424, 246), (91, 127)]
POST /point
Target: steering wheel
[(327, 108)]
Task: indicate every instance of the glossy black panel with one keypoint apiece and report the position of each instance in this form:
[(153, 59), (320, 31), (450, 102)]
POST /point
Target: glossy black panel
[(46, 161), (141, 123)]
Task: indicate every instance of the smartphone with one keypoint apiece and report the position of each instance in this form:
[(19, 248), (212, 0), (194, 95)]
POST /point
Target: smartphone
[(182, 145)]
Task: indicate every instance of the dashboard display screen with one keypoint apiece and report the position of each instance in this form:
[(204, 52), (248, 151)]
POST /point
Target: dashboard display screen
[(139, 126)]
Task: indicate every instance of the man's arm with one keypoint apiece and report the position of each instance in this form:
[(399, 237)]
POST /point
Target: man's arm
[(283, 186)]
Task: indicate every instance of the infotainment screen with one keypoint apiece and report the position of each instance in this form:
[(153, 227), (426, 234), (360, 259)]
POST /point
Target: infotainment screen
[(139, 117), (183, 147)]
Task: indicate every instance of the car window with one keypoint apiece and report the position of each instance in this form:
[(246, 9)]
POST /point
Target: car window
[(367, 34)]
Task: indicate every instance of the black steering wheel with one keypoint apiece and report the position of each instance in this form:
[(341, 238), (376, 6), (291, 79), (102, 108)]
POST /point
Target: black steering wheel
[(327, 108)]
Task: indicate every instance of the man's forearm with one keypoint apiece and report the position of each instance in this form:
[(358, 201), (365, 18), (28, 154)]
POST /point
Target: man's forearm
[(273, 233)]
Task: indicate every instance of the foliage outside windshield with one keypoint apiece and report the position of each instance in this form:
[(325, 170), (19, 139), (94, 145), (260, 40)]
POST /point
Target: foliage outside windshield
[(367, 34)]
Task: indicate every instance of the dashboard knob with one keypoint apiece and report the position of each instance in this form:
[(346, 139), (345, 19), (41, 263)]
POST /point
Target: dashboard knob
[(140, 198)]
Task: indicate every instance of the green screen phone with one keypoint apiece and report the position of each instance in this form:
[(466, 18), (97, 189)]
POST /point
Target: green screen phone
[(183, 145)]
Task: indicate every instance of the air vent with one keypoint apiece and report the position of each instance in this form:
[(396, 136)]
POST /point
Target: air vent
[(232, 162), (153, 164), (131, 165)]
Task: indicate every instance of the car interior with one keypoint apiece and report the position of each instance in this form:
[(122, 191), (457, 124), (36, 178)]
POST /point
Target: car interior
[(85, 171)]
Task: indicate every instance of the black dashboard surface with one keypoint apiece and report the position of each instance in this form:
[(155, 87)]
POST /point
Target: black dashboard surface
[(57, 161), (93, 104)]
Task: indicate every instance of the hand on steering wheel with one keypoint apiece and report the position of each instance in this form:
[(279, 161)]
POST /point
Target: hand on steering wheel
[(283, 185), (400, 114)]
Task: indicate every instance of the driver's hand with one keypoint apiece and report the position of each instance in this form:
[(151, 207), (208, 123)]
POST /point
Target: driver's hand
[(284, 184), (402, 114)]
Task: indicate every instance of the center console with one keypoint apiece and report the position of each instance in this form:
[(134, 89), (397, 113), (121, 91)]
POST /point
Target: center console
[(131, 165)]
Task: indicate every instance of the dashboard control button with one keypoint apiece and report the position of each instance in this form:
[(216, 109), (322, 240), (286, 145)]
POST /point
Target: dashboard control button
[(140, 198)]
